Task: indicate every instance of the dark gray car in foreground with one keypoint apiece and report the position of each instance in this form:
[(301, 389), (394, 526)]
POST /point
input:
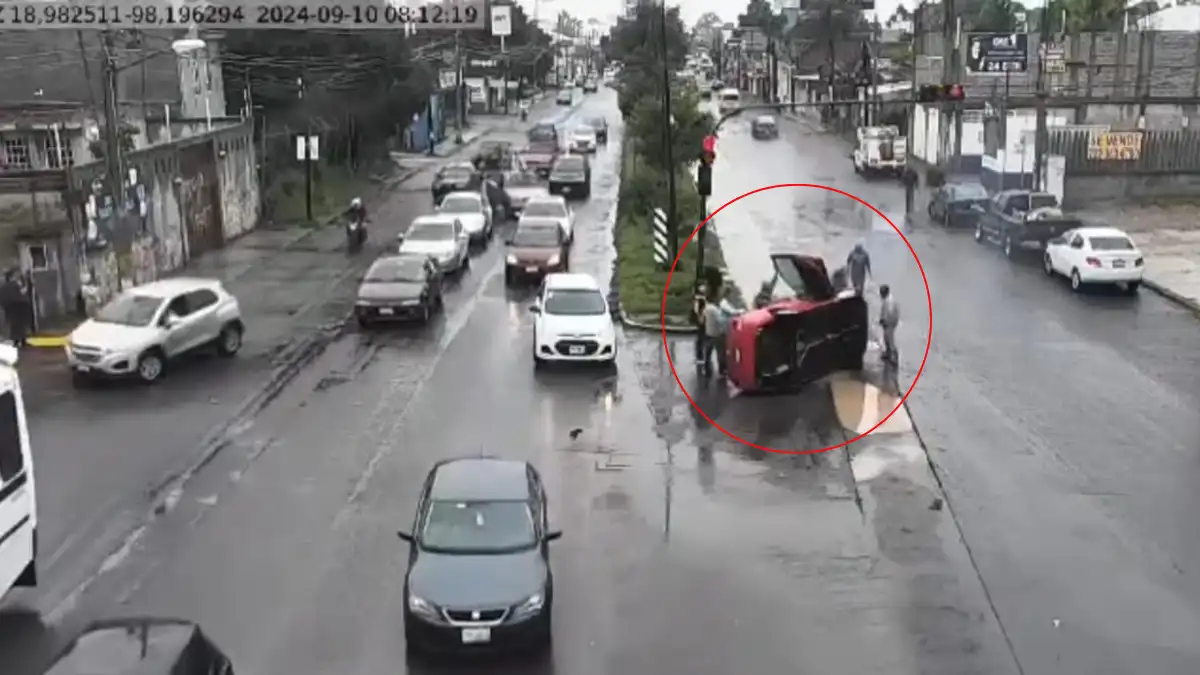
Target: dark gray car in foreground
[(479, 559)]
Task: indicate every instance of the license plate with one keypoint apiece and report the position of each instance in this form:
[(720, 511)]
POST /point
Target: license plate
[(82, 369), (576, 351), (474, 636), (531, 269), (386, 311), (566, 189), (1118, 263)]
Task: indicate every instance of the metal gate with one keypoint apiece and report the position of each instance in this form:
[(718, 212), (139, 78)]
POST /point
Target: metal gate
[(199, 196)]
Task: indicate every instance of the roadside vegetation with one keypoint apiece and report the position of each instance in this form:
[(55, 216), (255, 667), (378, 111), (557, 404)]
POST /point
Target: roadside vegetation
[(636, 42)]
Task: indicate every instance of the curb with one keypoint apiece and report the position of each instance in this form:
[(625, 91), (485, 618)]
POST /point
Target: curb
[(629, 322), (1175, 297)]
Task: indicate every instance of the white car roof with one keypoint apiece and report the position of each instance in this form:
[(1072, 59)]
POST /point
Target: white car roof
[(585, 131), (730, 91), (1101, 232), (572, 281), (765, 119), (553, 199), (435, 219), (477, 196), (166, 288)]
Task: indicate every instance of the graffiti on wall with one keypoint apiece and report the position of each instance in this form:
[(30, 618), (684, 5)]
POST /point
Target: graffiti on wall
[(104, 223)]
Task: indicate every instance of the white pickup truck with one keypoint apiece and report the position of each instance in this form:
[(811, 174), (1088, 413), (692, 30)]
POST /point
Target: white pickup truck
[(880, 151)]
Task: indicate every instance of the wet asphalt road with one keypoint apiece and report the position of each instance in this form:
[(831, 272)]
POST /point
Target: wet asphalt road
[(1064, 427), (682, 552)]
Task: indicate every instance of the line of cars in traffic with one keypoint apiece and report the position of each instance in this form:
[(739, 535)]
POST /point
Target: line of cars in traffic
[(1023, 220)]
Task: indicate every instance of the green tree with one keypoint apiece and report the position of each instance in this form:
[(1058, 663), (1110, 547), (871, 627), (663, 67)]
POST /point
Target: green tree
[(637, 43), (996, 15), (1094, 15), (691, 125)]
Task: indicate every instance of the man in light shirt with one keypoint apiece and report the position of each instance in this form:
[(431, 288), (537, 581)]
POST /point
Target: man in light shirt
[(716, 325), (889, 318)]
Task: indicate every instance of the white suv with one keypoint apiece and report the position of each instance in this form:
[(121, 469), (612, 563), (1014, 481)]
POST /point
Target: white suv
[(573, 321), (141, 329)]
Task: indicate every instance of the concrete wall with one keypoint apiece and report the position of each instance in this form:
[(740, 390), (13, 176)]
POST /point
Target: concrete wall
[(1087, 191)]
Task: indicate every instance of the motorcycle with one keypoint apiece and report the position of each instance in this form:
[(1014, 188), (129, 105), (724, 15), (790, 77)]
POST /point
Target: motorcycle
[(356, 235)]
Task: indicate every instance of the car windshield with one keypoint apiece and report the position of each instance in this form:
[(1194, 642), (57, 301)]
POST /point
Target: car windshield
[(1112, 243), (968, 191), (574, 302), (460, 204), (584, 132), (430, 232), (1042, 201), (542, 133), (730, 98), (130, 310), (396, 270), (546, 210), (765, 121), (569, 164), (598, 123), (536, 236), (478, 527), (457, 174)]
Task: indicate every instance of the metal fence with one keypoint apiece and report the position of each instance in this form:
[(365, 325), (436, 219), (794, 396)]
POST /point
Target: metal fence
[(1097, 153)]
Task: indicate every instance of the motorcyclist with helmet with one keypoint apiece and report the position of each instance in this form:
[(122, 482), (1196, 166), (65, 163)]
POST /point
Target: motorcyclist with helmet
[(356, 224)]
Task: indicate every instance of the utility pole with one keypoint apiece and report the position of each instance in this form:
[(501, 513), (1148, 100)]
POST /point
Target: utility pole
[(708, 155), (773, 64), (668, 138), (112, 146), (459, 104), (504, 53), (1040, 141), (917, 49), (308, 158)]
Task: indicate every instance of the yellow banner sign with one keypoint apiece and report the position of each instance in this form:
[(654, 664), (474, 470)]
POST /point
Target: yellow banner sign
[(1124, 146)]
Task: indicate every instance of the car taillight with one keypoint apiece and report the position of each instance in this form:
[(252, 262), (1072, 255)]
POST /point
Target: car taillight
[(1137, 263), (1092, 262)]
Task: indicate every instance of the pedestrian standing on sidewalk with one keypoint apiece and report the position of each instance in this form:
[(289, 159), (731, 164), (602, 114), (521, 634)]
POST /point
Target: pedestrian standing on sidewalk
[(16, 308), (910, 180), (889, 318), (858, 264), (699, 301), (716, 324)]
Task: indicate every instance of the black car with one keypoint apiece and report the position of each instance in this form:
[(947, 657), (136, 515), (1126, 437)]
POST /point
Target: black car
[(455, 177), (600, 126), (764, 127), (479, 573), (141, 646), (399, 287), (958, 204), (571, 177)]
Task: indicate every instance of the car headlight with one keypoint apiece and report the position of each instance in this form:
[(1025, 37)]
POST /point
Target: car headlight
[(553, 260), (531, 605), (411, 303), (511, 260), (418, 605)]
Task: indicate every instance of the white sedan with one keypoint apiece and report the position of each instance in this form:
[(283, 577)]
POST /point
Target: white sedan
[(573, 322), (583, 140), (555, 207), (1095, 255), (472, 210)]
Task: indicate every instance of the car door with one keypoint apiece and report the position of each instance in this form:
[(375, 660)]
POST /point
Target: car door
[(461, 241), (937, 205), (1056, 250), (175, 324), (1074, 253), (202, 315)]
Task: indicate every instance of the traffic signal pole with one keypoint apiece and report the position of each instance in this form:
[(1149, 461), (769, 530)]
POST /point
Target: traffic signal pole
[(704, 189)]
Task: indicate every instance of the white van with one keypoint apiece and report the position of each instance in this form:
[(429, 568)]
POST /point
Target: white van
[(729, 100), (18, 505)]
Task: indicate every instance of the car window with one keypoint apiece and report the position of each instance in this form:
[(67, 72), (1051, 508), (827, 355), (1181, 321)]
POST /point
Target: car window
[(538, 236), (546, 209), (968, 191), (130, 309), (201, 299), (478, 527), (179, 306), (1112, 243), (12, 462), (430, 232), (574, 302), (461, 204), (397, 270), (1041, 201), (1077, 242), (570, 164)]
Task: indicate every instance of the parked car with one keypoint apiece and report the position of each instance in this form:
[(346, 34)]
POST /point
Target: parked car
[(441, 237), (573, 322), (456, 177), (399, 287), (958, 204), (536, 248), (583, 140), (555, 207), (145, 327), (1021, 219), (473, 210), (1095, 255), (479, 574), (600, 126), (764, 127), (563, 97), (523, 187), (571, 175), (141, 646)]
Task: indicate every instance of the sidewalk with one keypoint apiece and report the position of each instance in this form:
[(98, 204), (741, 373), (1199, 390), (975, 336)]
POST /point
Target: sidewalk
[(1169, 236)]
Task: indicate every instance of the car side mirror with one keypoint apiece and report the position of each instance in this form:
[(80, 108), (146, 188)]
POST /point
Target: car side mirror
[(169, 320), (553, 535), (534, 309), (405, 536), (400, 239)]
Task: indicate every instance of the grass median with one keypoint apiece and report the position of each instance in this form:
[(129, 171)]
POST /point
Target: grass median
[(640, 280)]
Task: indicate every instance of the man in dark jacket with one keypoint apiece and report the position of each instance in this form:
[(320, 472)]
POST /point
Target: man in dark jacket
[(858, 266), (699, 301), (16, 307)]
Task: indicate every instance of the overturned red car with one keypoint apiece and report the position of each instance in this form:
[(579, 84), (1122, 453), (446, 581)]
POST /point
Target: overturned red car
[(808, 330)]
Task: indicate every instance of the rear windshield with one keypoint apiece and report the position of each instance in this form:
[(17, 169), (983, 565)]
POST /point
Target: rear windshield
[(430, 232), (547, 208), (396, 270), (574, 302), (569, 164), (537, 236), (542, 133), (457, 174), (1042, 201), (1110, 244), (968, 191)]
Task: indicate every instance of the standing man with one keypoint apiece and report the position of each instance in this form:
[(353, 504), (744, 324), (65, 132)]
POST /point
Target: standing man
[(716, 321), (16, 308), (910, 179), (858, 264), (889, 318), (699, 302)]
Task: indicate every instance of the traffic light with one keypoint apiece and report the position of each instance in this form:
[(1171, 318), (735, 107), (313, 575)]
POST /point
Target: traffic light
[(704, 179), (940, 93)]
